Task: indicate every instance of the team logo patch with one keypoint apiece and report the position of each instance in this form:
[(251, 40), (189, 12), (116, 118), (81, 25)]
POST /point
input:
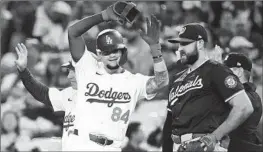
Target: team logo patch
[(230, 82), (108, 40)]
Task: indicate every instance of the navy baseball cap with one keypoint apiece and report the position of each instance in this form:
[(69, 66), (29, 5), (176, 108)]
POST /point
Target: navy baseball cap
[(190, 33), (238, 60)]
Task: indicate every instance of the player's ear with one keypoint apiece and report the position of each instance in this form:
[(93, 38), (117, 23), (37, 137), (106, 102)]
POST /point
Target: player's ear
[(237, 71), (98, 51), (200, 44), (240, 72)]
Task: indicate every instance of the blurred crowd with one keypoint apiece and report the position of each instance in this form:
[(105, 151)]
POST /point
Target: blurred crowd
[(235, 26)]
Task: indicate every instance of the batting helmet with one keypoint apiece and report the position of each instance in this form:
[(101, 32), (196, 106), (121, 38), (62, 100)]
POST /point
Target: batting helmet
[(109, 40)]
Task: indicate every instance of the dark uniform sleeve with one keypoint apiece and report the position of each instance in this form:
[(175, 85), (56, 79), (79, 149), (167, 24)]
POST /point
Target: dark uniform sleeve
[(38, 90), (225, 82)]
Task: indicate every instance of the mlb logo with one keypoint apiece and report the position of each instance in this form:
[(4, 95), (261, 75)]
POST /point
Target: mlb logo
[(108, 39)]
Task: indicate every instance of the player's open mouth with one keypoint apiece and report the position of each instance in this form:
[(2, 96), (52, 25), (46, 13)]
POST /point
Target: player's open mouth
[(112, 59), (183, 55)]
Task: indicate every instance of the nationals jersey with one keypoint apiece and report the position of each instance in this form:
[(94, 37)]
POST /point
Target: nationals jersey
[(197, 99), (106, 101), (64, 101)]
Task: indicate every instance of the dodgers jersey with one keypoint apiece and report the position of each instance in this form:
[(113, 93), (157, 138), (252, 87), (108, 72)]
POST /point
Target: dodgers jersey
[(106, 101), (64, 101)]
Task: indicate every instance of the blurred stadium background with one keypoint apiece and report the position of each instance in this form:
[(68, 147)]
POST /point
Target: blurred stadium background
[(42, 25)]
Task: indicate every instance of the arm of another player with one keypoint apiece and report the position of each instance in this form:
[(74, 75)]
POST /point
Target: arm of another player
[(38, 90), (35, 88), (241, 109), (75, 31), (231, 90), (151, 36)]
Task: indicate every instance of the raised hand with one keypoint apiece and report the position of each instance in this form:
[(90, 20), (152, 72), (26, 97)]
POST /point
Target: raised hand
[(21, 61), (152, 33), (216, 54)]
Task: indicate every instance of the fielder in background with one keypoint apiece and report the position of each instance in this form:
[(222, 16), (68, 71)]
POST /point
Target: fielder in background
[(206, 101), (245, 138), (59, 100), (107, 93)]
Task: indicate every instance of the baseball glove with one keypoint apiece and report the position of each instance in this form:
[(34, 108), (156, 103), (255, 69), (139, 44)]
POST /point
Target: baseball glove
[(201, 144), (127, 11)]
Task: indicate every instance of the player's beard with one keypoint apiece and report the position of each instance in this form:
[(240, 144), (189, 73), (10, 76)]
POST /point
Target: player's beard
[(190, 58)]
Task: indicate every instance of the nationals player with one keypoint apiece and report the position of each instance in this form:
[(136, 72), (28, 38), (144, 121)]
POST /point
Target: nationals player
[(245, 138), (59, 100), (206, 101), (107, 93)]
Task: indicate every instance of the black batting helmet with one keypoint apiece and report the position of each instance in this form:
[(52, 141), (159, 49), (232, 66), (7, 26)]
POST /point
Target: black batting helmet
[(109, 40)]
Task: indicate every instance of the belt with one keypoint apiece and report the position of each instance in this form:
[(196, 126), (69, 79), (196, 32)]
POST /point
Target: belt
[(101, 140), (180, 139)]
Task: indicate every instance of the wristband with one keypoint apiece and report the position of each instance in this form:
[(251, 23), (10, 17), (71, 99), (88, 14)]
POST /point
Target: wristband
[(157, 59)]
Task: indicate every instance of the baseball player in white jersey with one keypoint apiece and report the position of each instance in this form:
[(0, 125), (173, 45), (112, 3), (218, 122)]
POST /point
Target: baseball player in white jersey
[(65, 100), (107, 93), (59, 100)]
